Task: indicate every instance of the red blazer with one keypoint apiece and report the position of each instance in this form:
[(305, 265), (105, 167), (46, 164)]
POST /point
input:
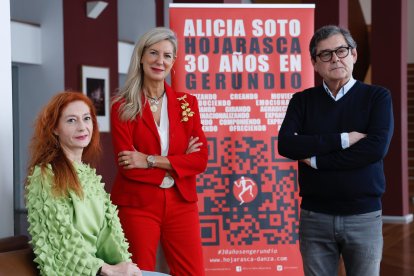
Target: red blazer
[(138, 187)]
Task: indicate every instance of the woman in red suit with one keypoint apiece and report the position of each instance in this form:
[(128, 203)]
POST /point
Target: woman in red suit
[(160, 148)]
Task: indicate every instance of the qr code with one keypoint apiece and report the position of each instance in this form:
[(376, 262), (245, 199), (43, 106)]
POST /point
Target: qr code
[(249, 194)]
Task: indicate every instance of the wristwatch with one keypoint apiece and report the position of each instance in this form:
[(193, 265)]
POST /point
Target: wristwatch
[(151, 161)]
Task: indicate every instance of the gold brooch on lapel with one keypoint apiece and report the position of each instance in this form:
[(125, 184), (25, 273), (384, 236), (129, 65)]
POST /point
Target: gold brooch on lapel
[(187, 112)]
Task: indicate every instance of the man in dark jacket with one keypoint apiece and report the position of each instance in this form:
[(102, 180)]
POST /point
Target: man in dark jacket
[(340, 133)]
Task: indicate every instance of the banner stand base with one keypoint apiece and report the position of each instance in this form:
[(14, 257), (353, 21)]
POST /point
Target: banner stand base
[(398, 219)]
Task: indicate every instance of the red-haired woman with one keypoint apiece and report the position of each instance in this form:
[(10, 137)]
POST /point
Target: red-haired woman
[(74, 226)]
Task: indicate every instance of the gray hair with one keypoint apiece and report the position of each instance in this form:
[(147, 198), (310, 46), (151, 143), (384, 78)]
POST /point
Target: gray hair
[(326, 32), (132, 90)]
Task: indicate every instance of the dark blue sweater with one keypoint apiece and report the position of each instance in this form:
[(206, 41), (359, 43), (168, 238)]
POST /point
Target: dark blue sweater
[(347, 181)]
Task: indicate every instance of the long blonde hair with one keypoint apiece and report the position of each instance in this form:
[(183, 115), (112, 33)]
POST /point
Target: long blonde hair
[(130, 93)]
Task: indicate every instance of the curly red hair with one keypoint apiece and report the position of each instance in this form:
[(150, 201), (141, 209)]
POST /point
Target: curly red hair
[(45, 148)]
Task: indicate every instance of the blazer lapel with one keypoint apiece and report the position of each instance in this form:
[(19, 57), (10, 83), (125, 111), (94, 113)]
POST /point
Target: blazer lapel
[(174, 109)]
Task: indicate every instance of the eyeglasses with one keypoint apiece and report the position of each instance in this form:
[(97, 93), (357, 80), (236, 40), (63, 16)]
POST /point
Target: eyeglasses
[(340, 52)]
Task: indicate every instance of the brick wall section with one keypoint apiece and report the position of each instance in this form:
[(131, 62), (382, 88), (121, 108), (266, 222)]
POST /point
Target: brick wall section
[(92, 42)]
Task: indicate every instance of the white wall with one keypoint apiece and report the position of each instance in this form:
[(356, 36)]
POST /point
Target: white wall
[(135, 18), (26, 42), (6, 125), (36, 83)]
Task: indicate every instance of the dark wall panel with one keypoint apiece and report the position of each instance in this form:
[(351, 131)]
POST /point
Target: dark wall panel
[(92, 42)]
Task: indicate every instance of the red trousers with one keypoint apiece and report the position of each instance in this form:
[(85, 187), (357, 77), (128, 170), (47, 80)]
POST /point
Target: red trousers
[(174, 222)]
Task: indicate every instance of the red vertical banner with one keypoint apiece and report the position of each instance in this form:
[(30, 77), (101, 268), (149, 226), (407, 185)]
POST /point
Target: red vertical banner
[(243, 63)]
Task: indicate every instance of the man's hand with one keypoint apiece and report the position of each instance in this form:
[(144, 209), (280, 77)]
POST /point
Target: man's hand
[(307, 161), (355, 136)]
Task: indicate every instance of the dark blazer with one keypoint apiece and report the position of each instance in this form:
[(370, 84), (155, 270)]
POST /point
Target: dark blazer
[(138, 187)]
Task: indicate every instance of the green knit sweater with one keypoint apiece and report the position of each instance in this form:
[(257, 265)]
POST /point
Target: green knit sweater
[(73, 236)]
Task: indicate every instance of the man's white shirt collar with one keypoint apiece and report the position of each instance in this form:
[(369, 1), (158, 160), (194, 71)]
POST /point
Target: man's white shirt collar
[(344, 89)]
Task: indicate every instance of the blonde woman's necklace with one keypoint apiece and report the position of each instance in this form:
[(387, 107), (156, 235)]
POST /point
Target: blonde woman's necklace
[(154, 102)]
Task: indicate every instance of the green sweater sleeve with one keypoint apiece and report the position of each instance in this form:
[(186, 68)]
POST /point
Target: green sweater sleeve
[(58, 246), (112, 245)]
